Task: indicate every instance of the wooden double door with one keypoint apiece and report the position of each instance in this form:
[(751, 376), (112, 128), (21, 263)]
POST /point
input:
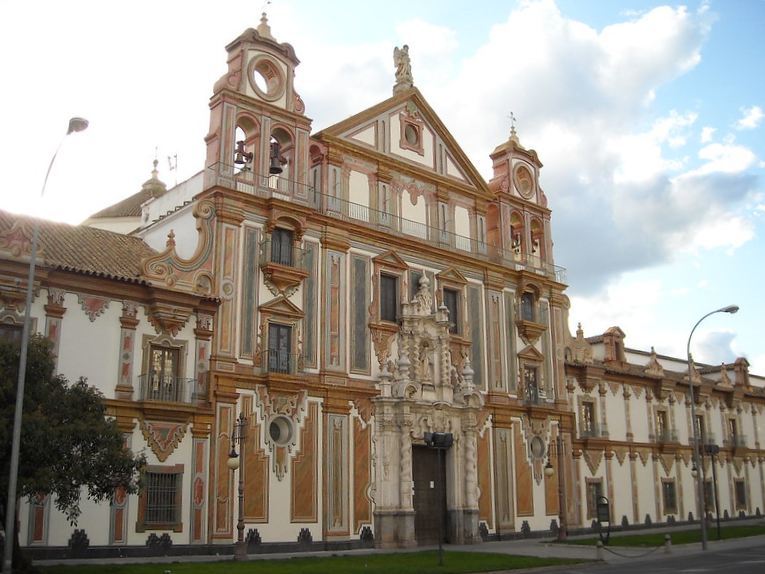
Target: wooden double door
[(430, 519)]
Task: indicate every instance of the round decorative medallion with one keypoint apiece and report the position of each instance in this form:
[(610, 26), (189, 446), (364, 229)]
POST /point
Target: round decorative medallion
[(537, 447), (524, 181), (266, 78), (280, 430), (412, 135)]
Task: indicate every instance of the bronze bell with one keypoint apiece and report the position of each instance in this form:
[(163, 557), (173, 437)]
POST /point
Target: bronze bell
[(275, 166), (240, 156)]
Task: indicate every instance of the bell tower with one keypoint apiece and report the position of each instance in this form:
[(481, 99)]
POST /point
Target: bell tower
[(257, 120), (519, 221)]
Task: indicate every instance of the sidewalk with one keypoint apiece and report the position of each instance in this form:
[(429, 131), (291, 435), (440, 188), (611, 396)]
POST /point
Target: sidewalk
[(547, 547), (541, 547)]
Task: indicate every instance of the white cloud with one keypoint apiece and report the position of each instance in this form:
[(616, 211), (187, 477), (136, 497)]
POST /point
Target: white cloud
[(707, 133), (750, 118), (724, 158), (714, 347), (726, 231)]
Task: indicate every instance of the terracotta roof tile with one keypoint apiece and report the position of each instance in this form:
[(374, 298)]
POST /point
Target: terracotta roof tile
[(79, 248)]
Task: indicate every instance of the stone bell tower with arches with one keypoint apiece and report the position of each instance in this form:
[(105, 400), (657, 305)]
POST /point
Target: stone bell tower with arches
[(257, 121)]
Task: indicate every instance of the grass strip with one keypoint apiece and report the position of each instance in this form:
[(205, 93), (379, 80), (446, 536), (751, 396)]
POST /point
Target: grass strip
[(400, 563)]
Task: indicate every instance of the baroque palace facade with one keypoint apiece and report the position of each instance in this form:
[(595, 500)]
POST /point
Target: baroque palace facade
[(347, 292)]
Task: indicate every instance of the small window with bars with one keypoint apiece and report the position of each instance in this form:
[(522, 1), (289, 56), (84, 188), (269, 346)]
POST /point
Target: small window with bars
[(670, 496), (740, 492), (281, 246), (527, 307), (160, 498)]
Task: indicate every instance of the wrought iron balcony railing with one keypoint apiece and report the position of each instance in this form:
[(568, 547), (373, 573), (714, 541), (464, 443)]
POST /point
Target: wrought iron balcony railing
[(735, 441), (283, 188), (664, 436), (533, 395), (706, 438), (593, 431), (291, 257), (283, 362), (170, 389)]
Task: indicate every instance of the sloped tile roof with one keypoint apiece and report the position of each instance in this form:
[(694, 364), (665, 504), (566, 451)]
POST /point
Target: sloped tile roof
[(128, 207), (79, 248)]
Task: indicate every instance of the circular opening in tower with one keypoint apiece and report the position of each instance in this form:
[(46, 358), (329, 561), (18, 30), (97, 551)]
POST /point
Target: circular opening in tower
[(280, 430), (266, 78)]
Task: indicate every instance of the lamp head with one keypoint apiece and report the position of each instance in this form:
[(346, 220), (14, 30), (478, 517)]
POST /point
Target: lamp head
[(548, 469), (233, 461), (730, 309), (77, 124)]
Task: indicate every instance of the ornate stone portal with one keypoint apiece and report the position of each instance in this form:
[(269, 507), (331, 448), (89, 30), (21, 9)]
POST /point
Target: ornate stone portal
[(421, 391)]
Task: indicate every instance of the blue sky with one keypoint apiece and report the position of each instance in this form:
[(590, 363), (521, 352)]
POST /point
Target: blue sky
[(648, 117)]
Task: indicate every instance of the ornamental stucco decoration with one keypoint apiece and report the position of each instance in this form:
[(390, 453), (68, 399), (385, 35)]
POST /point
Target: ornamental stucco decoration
[(93, 306), (162, 437)]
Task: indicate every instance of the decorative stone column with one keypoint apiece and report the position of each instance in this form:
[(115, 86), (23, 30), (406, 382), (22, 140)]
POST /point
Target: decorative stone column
[(54, 313), (128, 323)]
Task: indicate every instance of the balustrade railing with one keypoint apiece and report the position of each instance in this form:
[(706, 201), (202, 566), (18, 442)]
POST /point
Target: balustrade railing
[(283, 362), (171, 389), (268, 186)]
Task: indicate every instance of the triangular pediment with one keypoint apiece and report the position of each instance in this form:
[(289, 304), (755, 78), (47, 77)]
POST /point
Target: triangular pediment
[(427, 144), (281, 306), (390, 259), (531, 354), (452, 275)]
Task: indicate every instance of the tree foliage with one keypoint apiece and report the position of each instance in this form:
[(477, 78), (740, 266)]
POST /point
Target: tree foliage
[(68, 446)]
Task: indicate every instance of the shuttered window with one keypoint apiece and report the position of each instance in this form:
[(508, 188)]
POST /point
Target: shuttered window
[(388, 298), (281, 246)]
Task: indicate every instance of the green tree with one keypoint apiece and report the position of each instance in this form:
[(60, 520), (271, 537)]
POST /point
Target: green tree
[(68, 445)]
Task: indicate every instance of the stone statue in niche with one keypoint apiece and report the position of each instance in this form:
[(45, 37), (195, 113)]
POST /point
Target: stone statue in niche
[(426, 362), (424, 298)]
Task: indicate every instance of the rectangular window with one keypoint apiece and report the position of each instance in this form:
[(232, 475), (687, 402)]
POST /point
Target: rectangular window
[(530, 384), (388, 298), (451, 301), (164, 383), (732, 431), (279, 348), (740, 492), (281, 246), (669, 496), (700, 431), (661, 426), (159, 506), (527, 307), (594, 492), (588, 419), (10, 333)]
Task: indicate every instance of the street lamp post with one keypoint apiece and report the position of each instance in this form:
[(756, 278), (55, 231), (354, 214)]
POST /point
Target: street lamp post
[(563, 523), (713, 450), (694, 430), (75, 125), (238, 434)]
